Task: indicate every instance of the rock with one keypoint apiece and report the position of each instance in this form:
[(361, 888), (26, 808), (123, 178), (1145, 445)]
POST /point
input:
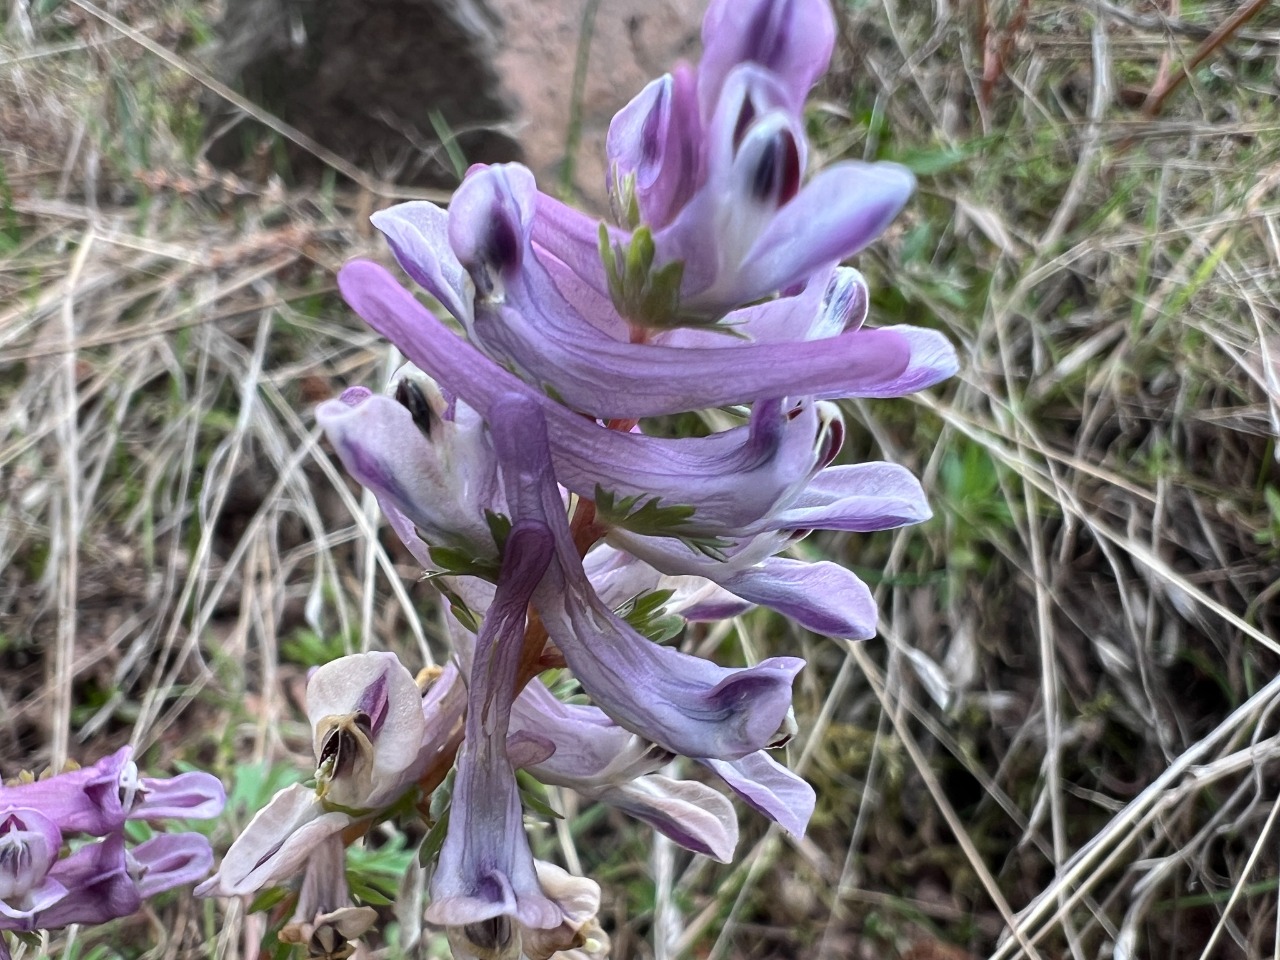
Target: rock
[(376, 81), (370, 79)]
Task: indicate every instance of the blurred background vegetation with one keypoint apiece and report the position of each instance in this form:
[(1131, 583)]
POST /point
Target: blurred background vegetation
[(1067, 727)]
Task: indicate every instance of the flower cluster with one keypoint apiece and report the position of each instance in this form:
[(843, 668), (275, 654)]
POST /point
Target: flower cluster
[(43, 887), (518, 465)]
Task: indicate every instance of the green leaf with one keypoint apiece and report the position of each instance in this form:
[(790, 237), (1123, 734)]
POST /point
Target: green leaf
[(646, 613), (533, 796), (499, 528), (460, 563), (268, 898), (368, 893), (434, 840)]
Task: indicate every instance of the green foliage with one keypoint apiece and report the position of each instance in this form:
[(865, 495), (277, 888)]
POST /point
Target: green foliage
[(646, 614), (10, 232), (375, 872), (307, 648), (645, 296)]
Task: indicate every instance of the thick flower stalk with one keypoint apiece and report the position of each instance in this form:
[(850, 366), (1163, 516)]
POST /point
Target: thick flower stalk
[(522, 465), (43, 887)]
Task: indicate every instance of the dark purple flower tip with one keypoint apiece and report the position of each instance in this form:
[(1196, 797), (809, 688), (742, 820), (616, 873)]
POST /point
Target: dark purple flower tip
[(490, 220), (791, 38), (772, 166), (655, 148)]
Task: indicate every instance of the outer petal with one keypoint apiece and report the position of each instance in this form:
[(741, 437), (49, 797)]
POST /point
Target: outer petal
[(572, 238), (169, 860), (933, 359), (683, 703), (840, 211), (486, 869), (823, 597), (770, 788), (578, 899), (732, 479), (656, 139), (690, 813), (828, 305), (275, 845), (857, 497), (418, 234), (604, 762), (791, 38), (194, 796)]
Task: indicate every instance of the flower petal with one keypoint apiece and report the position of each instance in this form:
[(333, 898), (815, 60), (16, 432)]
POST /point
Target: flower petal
[(88, 800), (418, 233), (98, 884), (532, 328), (442, 484), (29, 847), (188, 796), (690, 813), (170, 860), (343, 688), (823, 597), (275, 845), (836, 214), (770, 788), (486, 870), (791, 38), (656, 139), (861, 497)]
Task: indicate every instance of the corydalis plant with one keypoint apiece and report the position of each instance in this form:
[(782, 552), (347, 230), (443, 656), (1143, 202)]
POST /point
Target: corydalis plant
[(44, 887), (514, 464)]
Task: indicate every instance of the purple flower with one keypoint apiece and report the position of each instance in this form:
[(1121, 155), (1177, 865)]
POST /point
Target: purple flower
[(367, 723), (485, 877), (685, 704), (792, 39), (29, 846), (361, 770), (654, 148), (521, 320), (325, 920), (427, 460), (601, 761), (103, 880), (98, 799)]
